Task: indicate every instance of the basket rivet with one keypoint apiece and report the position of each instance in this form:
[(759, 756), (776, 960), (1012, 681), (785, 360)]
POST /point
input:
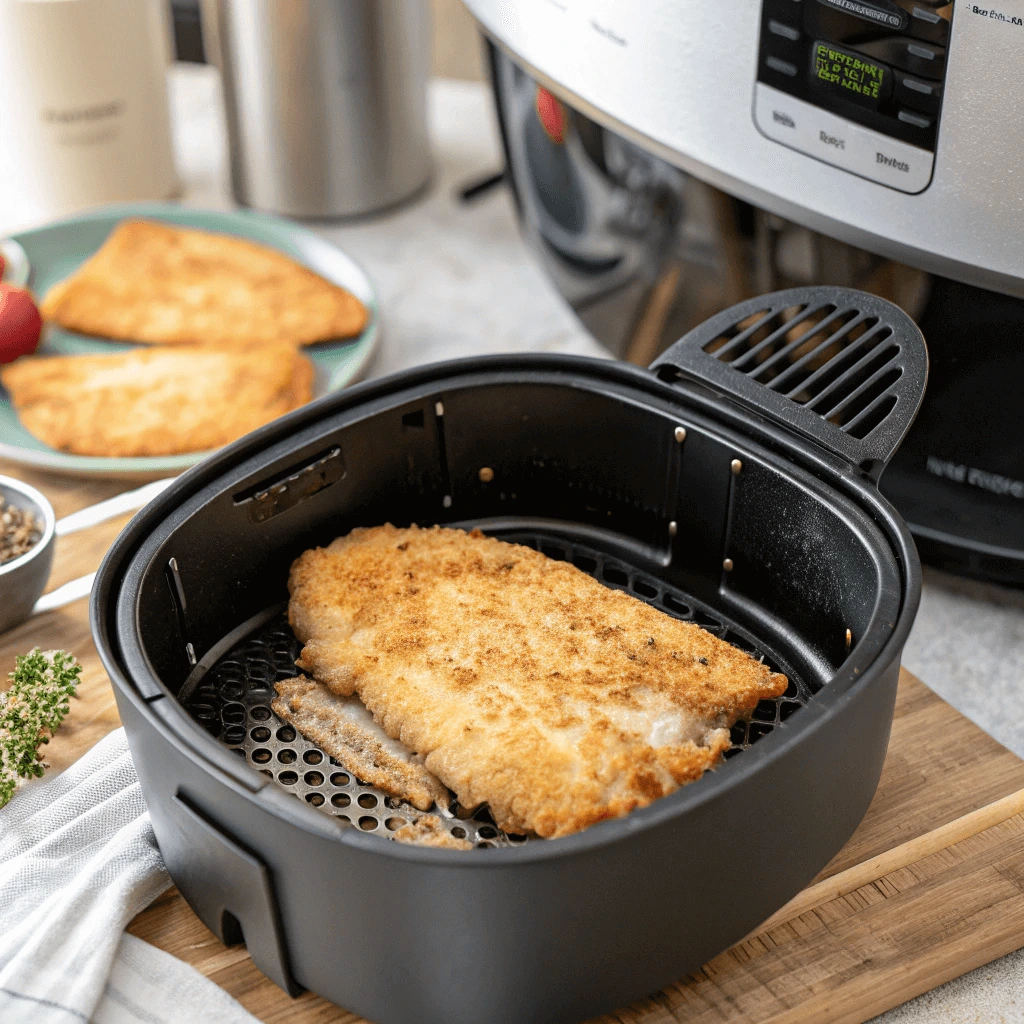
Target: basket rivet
[(447, 501), (439, 408), (680, 434), (736, 466), (727, 565), (486, 474), (673, 528)]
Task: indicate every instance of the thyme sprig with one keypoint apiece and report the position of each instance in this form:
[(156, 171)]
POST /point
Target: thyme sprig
[(35, 704)]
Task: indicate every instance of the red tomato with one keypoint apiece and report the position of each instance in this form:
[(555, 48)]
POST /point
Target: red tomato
[(2, 265), (20, 323)]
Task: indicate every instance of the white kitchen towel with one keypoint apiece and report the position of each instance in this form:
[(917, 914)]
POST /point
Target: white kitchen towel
[(149, 986), (78, 860)]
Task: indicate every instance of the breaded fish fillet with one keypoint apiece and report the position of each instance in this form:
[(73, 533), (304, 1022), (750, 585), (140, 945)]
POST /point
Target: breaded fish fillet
[(156, 401), (345, 730), (430, 830), (156, 283), (527, 684)]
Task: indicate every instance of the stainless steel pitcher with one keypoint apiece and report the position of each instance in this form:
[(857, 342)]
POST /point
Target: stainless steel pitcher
[(325, 101)]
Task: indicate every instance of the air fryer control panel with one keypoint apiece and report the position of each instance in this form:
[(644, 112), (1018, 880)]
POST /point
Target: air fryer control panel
[(856, 83)]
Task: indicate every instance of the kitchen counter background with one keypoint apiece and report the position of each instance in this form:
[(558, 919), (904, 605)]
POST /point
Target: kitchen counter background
[(455, 279)]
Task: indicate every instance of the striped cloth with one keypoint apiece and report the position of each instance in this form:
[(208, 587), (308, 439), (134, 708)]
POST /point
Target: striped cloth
[(78, 860)]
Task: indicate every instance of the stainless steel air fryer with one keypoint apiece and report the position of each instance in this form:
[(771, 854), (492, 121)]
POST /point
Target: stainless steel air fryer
[(771, 143), (326, 101)]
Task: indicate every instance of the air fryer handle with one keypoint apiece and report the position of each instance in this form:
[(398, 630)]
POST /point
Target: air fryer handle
[(229, 889), (839, 366)]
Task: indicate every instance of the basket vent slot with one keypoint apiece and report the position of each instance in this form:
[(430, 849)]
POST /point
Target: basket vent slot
[(270, 498), (174, 584)]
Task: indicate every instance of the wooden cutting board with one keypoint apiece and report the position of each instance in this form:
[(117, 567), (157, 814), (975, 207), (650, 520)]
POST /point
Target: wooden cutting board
[(930, 886)]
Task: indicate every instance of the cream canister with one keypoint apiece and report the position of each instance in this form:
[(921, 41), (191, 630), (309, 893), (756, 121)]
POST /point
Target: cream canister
[(84, 113)]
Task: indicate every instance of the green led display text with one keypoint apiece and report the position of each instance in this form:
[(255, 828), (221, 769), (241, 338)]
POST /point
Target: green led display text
[(848, 71)]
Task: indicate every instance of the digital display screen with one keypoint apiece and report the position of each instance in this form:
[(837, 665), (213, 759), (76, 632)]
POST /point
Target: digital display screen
[(850, 75)]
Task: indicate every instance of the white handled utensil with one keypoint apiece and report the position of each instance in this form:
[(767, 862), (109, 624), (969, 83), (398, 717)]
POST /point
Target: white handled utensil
[(64, 595), (130, 501)]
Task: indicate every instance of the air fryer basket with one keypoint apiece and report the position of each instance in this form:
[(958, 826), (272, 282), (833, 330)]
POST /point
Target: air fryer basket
[(733, 486)]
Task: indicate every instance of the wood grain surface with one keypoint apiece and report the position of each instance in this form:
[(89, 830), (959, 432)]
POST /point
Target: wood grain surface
[(930, 886)]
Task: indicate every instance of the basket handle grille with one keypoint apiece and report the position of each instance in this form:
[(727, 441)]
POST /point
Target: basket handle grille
[(839, 366)]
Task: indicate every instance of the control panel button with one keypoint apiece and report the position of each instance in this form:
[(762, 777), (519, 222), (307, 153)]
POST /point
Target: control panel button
[(841, 143), (849, 75), (778, 28), (783, 67), (918, 93), (916, 120), (929, 25), (922, 59)]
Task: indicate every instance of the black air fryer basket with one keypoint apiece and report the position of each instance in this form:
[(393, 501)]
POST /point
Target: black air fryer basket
[(733, 484)]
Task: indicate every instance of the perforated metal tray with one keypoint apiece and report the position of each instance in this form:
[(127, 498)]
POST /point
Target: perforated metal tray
[(232, 702)]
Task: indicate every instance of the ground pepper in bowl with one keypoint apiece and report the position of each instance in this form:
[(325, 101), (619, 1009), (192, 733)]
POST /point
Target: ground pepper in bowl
[(20, 531)]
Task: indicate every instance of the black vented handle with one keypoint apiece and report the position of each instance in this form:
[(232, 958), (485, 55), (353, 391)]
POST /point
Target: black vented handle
[(842, 367)]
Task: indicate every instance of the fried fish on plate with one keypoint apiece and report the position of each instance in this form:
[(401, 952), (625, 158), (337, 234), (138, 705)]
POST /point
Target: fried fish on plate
[(344, 729), (527, 685), (156, 283), (156, 401)]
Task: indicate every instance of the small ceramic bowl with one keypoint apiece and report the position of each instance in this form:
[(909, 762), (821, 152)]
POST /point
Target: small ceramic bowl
[(23, 580)]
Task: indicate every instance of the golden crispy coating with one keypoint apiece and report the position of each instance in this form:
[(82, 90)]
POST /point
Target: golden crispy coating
[(156, 401), (156, 283), (430, 831), (527, 684), (345, 730)]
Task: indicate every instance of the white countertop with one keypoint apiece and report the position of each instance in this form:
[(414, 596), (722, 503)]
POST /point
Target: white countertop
[(457, 280)]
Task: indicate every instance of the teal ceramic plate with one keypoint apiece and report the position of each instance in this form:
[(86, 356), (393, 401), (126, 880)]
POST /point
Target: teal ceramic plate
[(52, 253)]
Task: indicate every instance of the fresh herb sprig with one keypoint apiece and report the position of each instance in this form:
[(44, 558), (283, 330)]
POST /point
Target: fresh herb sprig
[(35, 704)]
